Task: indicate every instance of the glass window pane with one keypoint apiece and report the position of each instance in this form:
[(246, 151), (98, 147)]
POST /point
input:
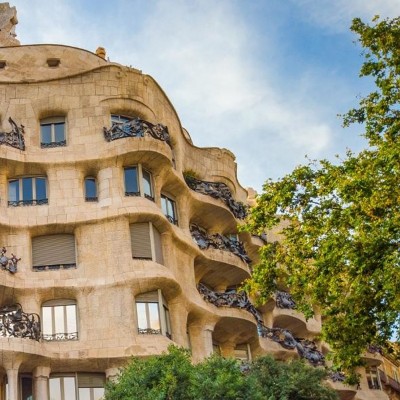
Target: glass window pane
[(147, 183), (59, 130), (47, 320), (90, 187), (84, 394), (171, 208), (45, 131), (27, 192), (98, 393), (131, 182), (71, 319), (55, 388), (164, 205), (13, 190), (41, 189), (141, 315), (59, 319), (69, 388), (167, 320), (154, 318)]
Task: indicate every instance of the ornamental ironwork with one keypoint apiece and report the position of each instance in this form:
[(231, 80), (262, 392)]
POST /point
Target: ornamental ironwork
[(217, 190), (55, 337), (15, 138), (136, 127), (219, 242), (8, 263), (50, 145), (149, 331), (18, 203), (229, 299), (336, 376), (284, 300), (305, 348), (16, 323)]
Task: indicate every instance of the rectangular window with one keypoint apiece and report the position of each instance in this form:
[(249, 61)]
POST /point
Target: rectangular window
[(27, 191), (373, 378), (52, 252), (52, 132), (78, 386), (138, 182), (59, 320), (146, 242), (131, 182), (90, 189), (169, 209), (153, 314)]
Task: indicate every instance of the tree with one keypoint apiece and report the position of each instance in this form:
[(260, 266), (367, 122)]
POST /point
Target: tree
[(165, 377), (171, 376), (290, 381), (340, 222)]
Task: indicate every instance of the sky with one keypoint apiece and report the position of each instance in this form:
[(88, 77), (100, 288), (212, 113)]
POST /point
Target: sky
[(265, 79)]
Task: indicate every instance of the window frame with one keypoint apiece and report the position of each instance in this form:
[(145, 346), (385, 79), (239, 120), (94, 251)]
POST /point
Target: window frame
[(77, 387), (68, 334), (27, 202), (373, 378), (164, 318), (140, 182), (90, 199), (52, 122), (171, 210)]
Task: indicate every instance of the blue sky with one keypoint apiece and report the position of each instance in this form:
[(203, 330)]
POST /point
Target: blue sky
[(263, 78)]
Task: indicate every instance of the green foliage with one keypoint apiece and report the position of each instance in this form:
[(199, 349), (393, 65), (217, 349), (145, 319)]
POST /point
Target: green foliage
[(290, 381), (165, 377), (171, 376), (219, 378), (341, 222)]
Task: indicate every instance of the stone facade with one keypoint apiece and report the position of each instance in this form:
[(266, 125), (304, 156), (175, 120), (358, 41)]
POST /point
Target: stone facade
[(101, 262)]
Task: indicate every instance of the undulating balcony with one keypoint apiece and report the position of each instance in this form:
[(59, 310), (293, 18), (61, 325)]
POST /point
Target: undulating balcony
[(217, 190), (219, 242), (136, 128)]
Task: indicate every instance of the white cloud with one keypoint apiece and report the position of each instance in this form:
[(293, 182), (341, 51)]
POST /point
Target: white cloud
[(337, 15)]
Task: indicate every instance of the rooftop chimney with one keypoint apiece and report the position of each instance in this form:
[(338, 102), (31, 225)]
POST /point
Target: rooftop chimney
[(8, 20)]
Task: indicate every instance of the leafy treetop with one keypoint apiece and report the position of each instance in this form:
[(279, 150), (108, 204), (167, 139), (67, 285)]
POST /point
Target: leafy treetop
[(339, 252)]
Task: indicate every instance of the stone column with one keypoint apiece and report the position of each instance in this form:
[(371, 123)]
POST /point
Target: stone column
[(201, 341), (40, 383), (12, 379)]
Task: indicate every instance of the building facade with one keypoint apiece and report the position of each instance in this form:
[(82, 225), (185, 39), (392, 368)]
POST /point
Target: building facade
[(120, 235)]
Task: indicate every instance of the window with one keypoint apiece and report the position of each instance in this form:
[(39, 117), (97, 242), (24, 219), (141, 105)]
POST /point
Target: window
[(52, 252), (242, 352), (153, 314), (80, 386), (59, 320), (121, 122), (52, 132), (169, 209), (146, 242), (138, 182), (27, 191), (90, 189), (373, 378)]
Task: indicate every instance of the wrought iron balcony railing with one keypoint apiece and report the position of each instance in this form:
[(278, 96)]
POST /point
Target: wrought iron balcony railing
[(305, 348), (49, 145), (229, 299), (284, 300), (18, 203), (217, 190), (219, 242), (56, 267), (16, 323), (136, 128), (55, 337), (15, 138)]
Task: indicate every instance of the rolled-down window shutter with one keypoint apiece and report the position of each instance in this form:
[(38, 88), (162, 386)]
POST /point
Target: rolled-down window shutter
[(140, 240), (158, 246), (53, 250), (87, 380), (149, 297)]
